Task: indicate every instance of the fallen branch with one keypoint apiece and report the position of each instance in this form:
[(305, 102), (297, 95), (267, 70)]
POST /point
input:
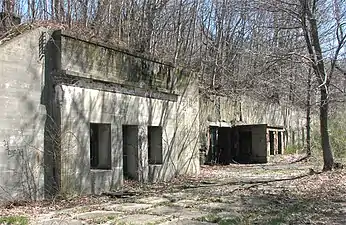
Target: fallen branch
[(305, 157), (310, 172)]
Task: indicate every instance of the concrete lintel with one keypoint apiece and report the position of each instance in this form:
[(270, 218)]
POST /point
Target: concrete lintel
[(220, 124), (83, 80)]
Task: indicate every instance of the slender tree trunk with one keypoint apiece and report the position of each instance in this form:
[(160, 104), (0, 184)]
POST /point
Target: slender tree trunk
[(308, 116), (324, 83), (312, 39), (328, 160)]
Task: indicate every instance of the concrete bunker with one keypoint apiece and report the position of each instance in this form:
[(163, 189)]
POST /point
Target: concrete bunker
[(244, 143), (99, 113)]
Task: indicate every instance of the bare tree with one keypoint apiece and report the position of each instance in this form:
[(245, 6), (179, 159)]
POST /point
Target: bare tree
[(309, 19)]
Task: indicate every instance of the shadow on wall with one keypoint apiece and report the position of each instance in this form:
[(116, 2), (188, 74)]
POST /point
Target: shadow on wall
[(23, 121), (84, 101), (50, 152)]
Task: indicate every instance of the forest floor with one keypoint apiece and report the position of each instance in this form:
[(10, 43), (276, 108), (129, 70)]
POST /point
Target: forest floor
[(276, 193)]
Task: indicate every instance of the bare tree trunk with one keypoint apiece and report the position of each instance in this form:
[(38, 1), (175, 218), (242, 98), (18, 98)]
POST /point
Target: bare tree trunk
[(314, 47), (328, 160), (308, 115)]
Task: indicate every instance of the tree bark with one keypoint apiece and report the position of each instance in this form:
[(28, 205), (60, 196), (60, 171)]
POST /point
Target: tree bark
[(312, 39), (324, 83), (308, 116), (328, 160)]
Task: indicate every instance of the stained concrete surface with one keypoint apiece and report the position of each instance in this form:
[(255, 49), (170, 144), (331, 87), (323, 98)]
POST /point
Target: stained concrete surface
[(214, 201)]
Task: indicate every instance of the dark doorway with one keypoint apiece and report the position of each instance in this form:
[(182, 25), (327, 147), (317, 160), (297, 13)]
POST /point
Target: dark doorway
[(130, 151), (213, 144), (245, 146), (271, 142), (238, 144), (224, 143), (279, 142), (155, 145)]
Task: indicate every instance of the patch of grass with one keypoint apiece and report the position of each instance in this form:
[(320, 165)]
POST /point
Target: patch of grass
[(231, 221), (281, 211), (292, 149), (104, 219), (111, 218), (213, 218), (15, 220), (277, 220), (153, 223)]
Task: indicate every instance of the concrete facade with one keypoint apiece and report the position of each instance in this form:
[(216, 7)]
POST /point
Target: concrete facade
[(53, 102), (22, 118), (81, 116)]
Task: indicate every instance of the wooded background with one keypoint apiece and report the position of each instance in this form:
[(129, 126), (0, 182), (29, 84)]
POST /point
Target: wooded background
[(282, 51)]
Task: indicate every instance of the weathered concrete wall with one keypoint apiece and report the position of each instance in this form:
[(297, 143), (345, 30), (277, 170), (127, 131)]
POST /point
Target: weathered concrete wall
[(50, 102), (186, 142), (22, 118), (247, 110), (80, 107), (287, 116), (174, 108), (102, 62)]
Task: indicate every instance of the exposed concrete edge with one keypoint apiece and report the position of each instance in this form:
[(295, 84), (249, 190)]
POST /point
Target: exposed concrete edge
[(27, 30), (69, 34), (72, 79)]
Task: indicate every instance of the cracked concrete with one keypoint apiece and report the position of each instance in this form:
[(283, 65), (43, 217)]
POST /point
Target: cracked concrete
[(203, 203)]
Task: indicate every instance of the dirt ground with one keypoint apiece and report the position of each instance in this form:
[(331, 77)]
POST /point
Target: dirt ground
[(277, 193)]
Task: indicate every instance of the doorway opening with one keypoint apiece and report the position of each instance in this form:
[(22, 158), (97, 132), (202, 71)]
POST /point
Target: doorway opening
[(245, 146), (240, 144), (279, 142), (130, 151), (155, 145)]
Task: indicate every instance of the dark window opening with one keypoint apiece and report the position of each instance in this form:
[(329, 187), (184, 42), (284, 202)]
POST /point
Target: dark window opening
[(100, 146), (155, 145), (271, 142)]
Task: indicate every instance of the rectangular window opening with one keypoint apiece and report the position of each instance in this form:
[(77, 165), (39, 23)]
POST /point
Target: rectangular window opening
[(155, 144), (100, 146), (271, 142)]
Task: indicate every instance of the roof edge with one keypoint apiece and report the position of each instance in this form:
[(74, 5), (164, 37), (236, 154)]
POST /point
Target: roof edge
[(69, 34)]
